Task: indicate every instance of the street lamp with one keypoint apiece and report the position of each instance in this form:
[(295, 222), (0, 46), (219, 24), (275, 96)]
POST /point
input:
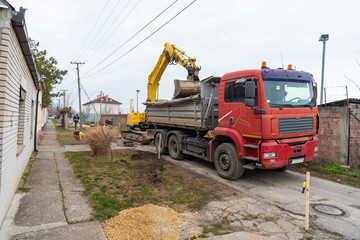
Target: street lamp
[(137, 100), (323, 38)]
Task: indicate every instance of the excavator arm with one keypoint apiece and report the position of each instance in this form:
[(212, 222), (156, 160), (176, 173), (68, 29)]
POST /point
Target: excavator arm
[(170, 55)]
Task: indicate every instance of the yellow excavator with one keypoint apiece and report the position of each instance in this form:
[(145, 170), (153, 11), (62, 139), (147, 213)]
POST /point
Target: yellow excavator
[(171, 55), (134, 118)]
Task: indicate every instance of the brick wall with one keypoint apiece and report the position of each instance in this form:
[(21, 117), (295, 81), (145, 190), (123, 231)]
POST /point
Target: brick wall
[(355, 138), (14, 73), (333, 135), (119, 119)]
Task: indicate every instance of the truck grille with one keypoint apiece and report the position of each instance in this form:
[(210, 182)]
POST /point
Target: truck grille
[(293, 125)]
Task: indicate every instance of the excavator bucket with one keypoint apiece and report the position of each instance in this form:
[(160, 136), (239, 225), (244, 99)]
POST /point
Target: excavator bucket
[(185, 88)]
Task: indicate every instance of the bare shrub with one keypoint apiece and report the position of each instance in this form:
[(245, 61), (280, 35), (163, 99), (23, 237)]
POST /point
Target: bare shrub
[(96, 139)]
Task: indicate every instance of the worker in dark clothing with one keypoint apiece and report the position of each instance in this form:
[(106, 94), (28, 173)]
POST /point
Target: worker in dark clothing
[(76, 120)]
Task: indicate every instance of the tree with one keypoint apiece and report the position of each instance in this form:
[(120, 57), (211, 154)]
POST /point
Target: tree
[(47, 69)]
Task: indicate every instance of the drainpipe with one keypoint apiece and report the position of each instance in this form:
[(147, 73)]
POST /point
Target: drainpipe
[(36, 119), (348, 153)]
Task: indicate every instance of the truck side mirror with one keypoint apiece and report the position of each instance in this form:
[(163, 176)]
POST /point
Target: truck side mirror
[(250, 89), (250, 102), (250, 94)]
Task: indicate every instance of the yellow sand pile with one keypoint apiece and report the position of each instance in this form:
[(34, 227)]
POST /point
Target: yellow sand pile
[(146, 222)]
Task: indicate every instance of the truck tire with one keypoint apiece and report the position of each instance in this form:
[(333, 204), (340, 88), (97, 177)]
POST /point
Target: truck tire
[(163, 149), (227, 162), (174, 148)]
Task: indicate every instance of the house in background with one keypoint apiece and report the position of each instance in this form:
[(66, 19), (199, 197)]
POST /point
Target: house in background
[(42, 113), (19, 99), (102, 105)]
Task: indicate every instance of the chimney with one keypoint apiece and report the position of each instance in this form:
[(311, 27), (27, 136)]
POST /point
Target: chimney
[(107, 98)]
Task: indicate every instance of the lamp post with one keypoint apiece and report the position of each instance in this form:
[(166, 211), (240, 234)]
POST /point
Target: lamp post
[(137, 100), (323, 38)]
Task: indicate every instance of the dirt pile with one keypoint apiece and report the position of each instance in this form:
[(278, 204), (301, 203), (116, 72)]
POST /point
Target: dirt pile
[(146, 222)]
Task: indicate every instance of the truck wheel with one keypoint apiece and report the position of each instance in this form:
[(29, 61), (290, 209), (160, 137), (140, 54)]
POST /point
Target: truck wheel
[(174, 148), (163, 149), (227, 162)]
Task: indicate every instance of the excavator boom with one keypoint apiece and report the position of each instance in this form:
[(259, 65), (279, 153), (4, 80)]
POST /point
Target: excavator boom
[(171, 55)]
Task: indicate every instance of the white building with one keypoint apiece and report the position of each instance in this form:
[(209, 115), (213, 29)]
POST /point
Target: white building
[(19, 98), (102, 105)]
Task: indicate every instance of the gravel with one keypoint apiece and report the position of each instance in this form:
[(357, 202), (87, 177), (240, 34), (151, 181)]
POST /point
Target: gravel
[(145, 222)]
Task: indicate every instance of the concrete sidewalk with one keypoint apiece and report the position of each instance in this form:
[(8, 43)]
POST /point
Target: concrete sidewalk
[(52, 205)]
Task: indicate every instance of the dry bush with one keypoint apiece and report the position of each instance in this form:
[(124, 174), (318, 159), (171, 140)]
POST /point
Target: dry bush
[(96, 139)]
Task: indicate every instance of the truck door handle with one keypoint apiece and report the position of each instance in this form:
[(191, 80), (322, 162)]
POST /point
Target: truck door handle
[(231, 120)]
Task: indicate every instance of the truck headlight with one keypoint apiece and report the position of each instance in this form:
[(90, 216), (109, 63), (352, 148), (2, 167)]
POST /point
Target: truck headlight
[(270, 155), (316, 149)]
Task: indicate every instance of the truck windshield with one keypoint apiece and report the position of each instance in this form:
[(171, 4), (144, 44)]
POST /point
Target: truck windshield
[(289, 93)]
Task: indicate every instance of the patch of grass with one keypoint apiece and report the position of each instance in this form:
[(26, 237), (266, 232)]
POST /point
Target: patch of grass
[(217, 230), (332, 171), (26, 175), (250, 217), (137, 178), (66, 137), (270, 219), (24, 189)]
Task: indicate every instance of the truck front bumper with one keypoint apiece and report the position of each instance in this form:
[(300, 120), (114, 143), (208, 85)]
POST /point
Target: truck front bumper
[(280, 154)]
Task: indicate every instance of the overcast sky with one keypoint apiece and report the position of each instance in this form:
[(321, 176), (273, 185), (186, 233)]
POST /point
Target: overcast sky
[(223, 36)]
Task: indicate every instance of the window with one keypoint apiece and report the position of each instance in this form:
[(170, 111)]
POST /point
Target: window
[(236, 92), (289, 93), (21, 117)]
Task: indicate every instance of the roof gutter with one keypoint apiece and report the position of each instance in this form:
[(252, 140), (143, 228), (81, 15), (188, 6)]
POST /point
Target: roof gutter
[(18, 22)]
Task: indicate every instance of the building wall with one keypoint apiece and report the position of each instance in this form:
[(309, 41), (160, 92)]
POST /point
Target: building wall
[(333, 135), (355, 137), (93, 116), (15, 121)]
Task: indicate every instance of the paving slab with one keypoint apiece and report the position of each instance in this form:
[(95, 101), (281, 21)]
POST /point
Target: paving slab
[(43, 165), (86, 231), (60, 233), (81, 231), (36, 209), (43, 181), (77, 206), (45, 155)]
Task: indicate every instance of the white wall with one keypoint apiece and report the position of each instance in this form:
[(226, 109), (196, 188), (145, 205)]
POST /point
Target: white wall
[(106, 108), (14, 72)]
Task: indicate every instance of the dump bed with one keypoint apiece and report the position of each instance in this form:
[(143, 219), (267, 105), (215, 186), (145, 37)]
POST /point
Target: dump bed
[(198, 112)]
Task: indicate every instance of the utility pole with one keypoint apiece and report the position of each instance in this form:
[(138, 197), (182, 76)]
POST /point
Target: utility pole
[(64, 91), (100, 106), (323, 38), (78, 75), (137, 100)]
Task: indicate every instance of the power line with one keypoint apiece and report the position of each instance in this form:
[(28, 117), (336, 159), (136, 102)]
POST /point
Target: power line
[(132, 37), (143, 40), (116, 28), (102, 26), (93, 27)]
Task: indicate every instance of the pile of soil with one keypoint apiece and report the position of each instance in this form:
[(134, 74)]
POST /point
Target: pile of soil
[(146, 222)]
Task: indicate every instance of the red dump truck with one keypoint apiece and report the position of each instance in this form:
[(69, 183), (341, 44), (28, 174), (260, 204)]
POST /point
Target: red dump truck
[(262, 118)]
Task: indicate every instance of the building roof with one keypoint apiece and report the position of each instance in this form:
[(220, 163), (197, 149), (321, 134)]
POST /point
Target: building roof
[(18, 21), (104, 99), (341, 103)]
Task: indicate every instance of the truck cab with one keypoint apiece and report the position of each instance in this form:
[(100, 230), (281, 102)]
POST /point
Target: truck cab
[(269, 115)]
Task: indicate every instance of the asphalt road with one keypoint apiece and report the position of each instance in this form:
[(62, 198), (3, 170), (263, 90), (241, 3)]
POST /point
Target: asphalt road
[(283, 189)]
